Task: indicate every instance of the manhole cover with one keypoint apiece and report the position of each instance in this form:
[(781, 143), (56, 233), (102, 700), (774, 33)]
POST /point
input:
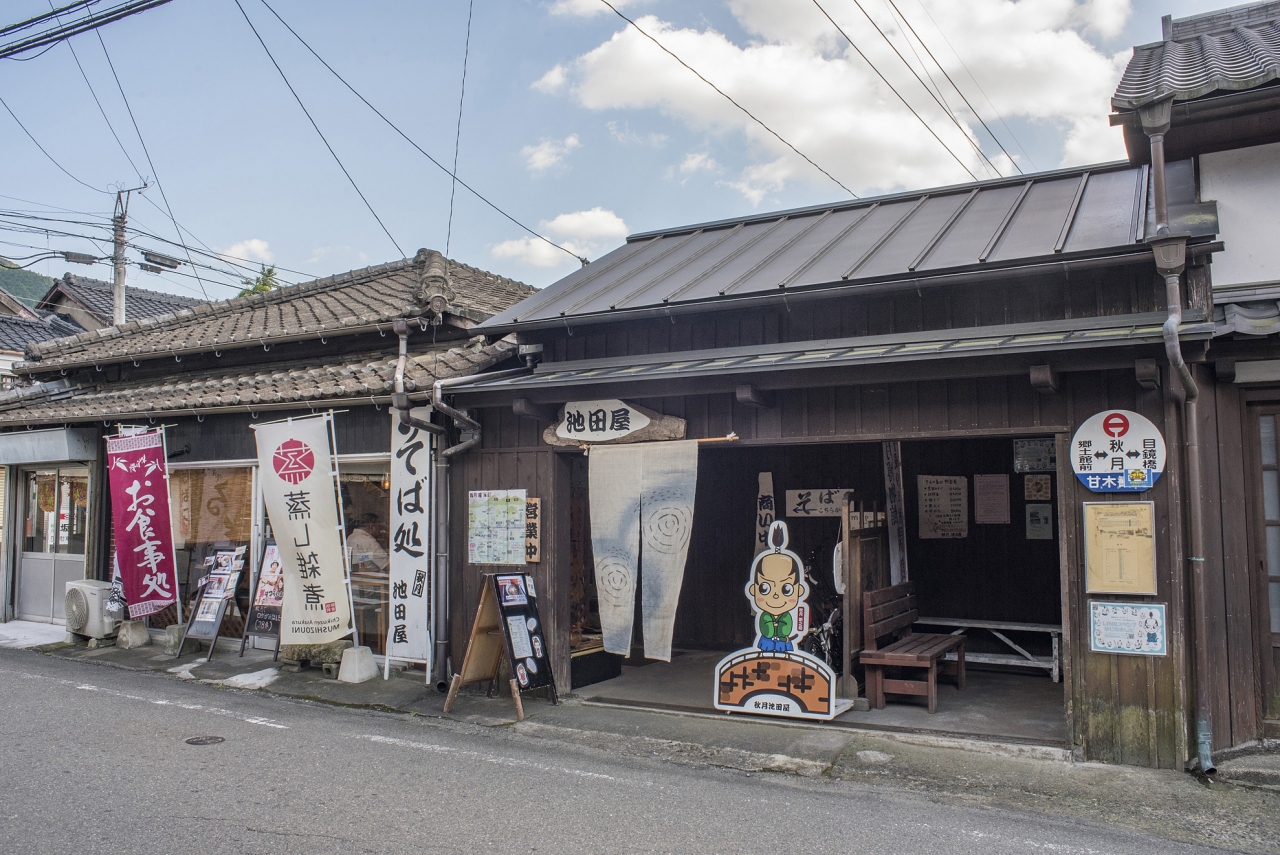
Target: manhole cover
[(205, 740)]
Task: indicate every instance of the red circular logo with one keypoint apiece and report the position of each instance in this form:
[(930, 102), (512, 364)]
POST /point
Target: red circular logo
[(1115, 425), (293, 461)]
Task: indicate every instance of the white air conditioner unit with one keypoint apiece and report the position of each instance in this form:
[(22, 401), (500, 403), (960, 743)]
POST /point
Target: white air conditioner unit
[(86, 609)]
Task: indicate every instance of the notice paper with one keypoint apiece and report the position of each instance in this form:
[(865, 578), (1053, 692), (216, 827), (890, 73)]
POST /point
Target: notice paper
[(1119, 552), (944, 506), (1039, 521), (991, 499)]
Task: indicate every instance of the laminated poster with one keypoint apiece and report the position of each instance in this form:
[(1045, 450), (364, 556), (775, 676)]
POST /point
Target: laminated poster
[(496, 526), (1037, 488), (944, 506), (1119, 547)]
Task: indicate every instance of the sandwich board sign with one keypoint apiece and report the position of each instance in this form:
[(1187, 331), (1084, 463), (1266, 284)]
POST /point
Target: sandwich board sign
[(1118, 451), (506, 624)]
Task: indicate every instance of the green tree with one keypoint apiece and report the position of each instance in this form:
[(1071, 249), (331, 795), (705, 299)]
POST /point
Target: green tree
[(265, 281)]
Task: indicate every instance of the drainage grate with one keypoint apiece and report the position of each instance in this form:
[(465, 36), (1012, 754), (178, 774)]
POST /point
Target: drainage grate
[(205, 740)]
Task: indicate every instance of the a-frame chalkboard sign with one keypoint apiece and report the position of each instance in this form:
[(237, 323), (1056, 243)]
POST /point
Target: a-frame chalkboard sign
[(507, 622)]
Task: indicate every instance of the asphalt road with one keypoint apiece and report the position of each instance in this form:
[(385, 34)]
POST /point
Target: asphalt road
[(95, 760)]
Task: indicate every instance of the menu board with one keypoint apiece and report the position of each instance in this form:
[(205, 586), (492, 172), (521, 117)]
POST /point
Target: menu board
[(944, 506), (496, 526), (523, 630)]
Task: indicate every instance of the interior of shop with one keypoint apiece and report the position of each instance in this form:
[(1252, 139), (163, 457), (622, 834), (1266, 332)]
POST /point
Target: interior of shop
[(995, 578)]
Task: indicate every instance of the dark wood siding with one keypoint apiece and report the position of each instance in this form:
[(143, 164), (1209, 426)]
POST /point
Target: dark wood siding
[(359, 430)]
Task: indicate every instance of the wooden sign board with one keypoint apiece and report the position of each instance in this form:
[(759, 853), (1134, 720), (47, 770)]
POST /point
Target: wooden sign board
[(533, 530), (506, 622), (815, 503)]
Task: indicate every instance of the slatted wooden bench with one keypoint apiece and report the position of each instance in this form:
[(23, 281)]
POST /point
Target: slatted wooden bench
[(891, 612)]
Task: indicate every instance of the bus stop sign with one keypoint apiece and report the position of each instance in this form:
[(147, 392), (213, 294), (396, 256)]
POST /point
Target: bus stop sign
[(1118, 451)]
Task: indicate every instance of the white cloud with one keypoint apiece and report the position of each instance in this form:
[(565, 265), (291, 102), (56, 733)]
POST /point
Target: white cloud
[(623, 133), (584, 233), (588, 8), (800, 77), (698, 161), (253, 249), (550, 82), (548, 153), (588, 225)]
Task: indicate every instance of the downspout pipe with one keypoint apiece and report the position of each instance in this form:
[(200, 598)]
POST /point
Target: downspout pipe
[(1170, 253)]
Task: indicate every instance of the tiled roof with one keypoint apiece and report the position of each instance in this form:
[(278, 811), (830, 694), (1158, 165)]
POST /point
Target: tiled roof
[(95, 296), (16, 333), (281, 386), (336, 305), (1231, 49)]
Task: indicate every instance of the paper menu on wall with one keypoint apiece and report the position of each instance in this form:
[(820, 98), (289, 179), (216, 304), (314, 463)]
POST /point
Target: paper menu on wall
[(943, 505), (495, 526)]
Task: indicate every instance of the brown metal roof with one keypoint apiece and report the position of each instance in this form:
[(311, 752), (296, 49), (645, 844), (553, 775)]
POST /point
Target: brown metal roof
[(1067, 214)]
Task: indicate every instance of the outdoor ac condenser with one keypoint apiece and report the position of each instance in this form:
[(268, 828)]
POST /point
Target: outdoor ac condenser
[(86, 609)]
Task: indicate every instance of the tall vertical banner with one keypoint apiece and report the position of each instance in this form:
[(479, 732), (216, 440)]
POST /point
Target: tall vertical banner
[(139, 481), (412, 539), (895, 512), (298, 471)]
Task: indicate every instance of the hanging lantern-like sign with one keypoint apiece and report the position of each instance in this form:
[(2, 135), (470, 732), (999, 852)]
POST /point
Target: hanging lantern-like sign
[(1118, 451)]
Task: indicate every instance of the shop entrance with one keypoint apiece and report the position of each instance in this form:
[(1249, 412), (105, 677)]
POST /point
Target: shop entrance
[(54, 522), (991, 571)]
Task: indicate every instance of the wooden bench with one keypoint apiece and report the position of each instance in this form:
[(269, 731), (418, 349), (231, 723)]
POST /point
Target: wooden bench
[(892, 611)]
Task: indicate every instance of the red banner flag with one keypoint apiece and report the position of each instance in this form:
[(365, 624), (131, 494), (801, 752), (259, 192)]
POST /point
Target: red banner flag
[(140, 512)]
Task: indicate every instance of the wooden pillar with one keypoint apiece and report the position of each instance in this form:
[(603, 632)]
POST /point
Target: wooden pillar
[(851, 553)]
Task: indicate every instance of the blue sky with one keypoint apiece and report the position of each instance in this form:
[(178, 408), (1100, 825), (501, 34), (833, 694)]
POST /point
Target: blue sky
[(572, 123)]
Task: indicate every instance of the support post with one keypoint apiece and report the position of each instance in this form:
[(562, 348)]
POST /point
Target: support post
[(117, 258)]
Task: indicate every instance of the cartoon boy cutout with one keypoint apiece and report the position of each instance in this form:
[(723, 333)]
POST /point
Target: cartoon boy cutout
[(776, 590)]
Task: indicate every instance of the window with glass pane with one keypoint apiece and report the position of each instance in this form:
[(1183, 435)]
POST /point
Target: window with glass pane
[(212, 509), (366, 505), (57, 517), (1271, 511)]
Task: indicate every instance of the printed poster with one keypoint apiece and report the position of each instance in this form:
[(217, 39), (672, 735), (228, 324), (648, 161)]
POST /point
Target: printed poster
[(297, 471), (521, 646), (1119, 547), (496, 526), (268, 597), (991, 499), (1132, 628), (1035, 455), (1037, 488), (409, 627), (138, 476), (944, 506), (1039, 521)]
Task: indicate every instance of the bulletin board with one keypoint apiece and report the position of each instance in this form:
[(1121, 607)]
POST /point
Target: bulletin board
[(1120, 547)]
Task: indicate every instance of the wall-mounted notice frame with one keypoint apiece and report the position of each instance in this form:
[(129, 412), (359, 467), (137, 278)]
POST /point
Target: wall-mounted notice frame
[(1134, 628), (1120, 547)]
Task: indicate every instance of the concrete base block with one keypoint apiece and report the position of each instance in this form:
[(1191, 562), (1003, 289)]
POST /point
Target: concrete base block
[(357, 666), (174, 632), (132, 633), (316, 654)]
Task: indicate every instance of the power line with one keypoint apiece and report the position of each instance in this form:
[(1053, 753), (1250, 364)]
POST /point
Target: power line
[(62, 32), (457, 138), (150, 163), (936, 100), (886, 82), (976, 114), (724, 95), (110, 127), (420, 149), (46, 154), (960, 59), (317, 129), (45, 16)]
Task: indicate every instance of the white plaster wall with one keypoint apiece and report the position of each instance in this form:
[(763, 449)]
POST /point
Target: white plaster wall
[(1245, 183)]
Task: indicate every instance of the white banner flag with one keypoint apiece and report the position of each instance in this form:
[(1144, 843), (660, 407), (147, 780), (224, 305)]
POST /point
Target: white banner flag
[(298, 471), (409, 629)]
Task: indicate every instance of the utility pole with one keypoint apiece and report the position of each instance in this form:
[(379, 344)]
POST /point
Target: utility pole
[(118, 223)]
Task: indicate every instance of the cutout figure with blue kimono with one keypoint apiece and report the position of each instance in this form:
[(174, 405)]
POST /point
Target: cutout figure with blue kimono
[(776, 590)]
